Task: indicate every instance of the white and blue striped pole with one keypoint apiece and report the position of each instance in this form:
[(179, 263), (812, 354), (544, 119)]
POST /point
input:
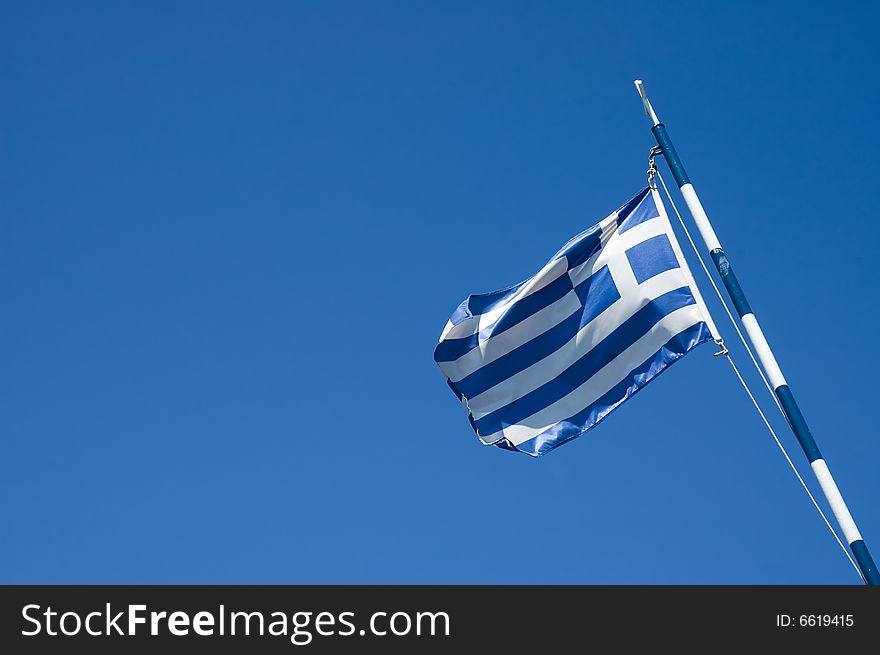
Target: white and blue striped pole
[(762, 348)]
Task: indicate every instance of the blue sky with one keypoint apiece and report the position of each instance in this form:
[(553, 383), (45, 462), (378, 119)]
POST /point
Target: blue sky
[(232, 233)]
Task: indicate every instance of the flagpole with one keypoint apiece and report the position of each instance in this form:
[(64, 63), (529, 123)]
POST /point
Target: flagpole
[(762, 348)]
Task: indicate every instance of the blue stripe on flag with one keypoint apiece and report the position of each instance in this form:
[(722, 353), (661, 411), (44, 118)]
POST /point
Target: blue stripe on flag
[(519, 358), (582, 247), (587, 366), (454, 390), (603, 294), (570, 428), (482, 303), (449, 350), (597, 293), (642, 211)]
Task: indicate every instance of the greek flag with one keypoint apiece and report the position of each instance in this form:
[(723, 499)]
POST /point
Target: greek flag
[(543, 361)]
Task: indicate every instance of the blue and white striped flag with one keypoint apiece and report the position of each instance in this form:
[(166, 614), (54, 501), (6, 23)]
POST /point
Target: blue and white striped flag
[(543, 361)]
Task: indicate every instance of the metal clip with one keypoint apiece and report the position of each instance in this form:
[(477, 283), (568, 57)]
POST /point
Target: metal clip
[(720, 343), (652, 166)]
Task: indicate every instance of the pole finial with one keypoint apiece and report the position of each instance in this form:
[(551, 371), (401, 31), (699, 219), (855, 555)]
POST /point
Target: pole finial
[(649, 110)]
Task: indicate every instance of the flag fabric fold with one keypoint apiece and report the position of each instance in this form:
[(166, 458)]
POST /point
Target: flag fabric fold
[(541, 362)]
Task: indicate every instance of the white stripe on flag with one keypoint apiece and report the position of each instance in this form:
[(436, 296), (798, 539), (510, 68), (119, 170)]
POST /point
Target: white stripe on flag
[(470, 326), (501, 344), (621, 242), (598, 385), (539, 373), (679, 255)]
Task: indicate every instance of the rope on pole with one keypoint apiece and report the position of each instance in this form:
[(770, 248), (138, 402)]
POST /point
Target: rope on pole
[(653, 170)]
